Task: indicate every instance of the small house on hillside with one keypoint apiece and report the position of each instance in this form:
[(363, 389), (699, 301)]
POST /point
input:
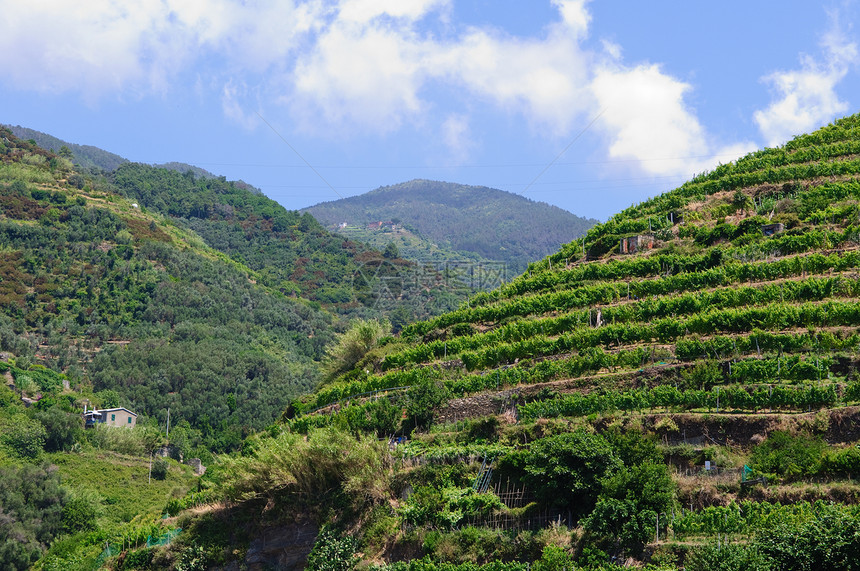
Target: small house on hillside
[(636, 244), (111, 417)]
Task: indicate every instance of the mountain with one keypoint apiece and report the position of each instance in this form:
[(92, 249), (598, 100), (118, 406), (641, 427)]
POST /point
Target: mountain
[(684, 374), (86, 156), (180, 292), (494, 224)]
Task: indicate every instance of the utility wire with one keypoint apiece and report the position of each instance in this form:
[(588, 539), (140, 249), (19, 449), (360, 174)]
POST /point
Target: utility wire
[(310, 166), (564, 150)]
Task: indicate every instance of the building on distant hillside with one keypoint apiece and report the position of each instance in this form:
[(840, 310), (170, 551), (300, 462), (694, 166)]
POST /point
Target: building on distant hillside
[(110, 416), (380, 225)]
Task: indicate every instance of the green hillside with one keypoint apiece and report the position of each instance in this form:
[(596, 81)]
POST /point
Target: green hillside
[(492, 224), (568, 417), (87, 157)]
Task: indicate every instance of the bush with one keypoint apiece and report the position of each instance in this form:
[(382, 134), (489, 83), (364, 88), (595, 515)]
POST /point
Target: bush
[(79, 515), (333, 552), (62, 428), (26, 437), (792, 457), (422, 400), (351, 346), (567, 469), (159, 469)]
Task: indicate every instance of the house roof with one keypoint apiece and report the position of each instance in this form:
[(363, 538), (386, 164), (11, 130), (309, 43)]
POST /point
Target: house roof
[(106, 410)]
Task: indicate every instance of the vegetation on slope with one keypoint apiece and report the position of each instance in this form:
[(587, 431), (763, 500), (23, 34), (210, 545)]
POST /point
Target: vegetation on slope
[(493, 224), (607, 377)]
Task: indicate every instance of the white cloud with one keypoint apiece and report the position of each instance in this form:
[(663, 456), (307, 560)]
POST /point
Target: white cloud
[(807, 97), (358, 66), (231, 94), (646, 118), (119, 47), (457, 135)]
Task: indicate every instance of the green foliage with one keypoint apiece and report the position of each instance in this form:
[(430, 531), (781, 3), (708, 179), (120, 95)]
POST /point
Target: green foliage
[(726, 557), (326, 462), (446, 214), (79, 514), (350, 347), (333, 551), (422, 400), (629, 504), (25, 437), (829, 541), (554, 558), (567, 469), (787, 455), (137, 441), (62, 429), (159, 468), (32, 503)]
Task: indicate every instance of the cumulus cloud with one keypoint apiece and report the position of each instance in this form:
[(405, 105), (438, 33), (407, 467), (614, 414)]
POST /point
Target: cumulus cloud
[(117, 47), (807, 97), (646, 118), (357, 66)]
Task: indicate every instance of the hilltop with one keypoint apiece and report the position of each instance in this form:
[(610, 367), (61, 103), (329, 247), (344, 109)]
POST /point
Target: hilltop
[(684, 372), (475, 221)]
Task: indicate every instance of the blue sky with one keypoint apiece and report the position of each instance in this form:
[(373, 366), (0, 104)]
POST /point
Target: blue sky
[(591, 106)]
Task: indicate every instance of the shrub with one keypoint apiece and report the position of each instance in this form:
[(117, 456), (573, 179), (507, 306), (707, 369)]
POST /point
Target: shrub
[(792, 457), (567, 469), (26, 437), (79, 515), (333, 552), (159, 469)]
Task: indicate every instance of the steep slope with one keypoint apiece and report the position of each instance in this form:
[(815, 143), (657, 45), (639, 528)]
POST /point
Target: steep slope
[(755, 258), (123, 299), (493, 224), (289, 251), (684, 372), (86, 156)]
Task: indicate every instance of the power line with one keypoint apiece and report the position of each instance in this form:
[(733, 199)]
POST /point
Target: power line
[(564, 150), (310, 166)]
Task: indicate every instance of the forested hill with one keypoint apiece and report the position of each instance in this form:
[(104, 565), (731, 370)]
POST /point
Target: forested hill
[(289, 251), (86, 156), (494, 224), (685, 373), (122, 299)]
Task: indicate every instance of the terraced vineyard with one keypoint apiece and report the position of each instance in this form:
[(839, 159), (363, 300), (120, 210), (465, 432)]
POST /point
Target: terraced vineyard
[(676, 389), (778, 312)]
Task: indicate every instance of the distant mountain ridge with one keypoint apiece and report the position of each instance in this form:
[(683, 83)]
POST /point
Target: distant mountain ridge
[(86, 156), (90, 157), (495, 224)]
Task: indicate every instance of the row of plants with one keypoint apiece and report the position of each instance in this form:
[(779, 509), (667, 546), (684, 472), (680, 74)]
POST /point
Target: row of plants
[(733, 397), (679, 280), (646, 310), (747, 517), (774, 316)]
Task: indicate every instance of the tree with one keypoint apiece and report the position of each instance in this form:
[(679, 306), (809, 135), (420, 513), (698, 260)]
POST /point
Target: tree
[(630, 503), (567, 469), (391, 252), (62, 428), (422, 400)]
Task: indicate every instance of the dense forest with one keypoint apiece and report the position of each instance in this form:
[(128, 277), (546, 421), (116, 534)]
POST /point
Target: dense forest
[(493, 224)]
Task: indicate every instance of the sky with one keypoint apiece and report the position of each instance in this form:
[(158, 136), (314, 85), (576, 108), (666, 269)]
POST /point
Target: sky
[(588, 105)]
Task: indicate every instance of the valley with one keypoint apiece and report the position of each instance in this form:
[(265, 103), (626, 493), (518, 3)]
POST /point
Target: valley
[(675, 388)]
